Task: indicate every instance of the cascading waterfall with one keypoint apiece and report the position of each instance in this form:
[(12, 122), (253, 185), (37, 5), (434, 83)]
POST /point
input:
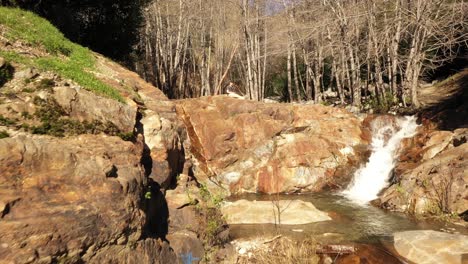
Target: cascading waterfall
[(373, 177)]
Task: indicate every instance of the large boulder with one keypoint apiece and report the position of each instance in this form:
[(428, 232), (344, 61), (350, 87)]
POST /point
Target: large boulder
[(271, 212), (432, 247), (71, 199), (248, 146), (85, 106)]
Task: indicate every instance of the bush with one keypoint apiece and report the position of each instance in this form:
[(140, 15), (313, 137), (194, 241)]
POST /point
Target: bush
[(4, 121), (6, 73), (3, 134)]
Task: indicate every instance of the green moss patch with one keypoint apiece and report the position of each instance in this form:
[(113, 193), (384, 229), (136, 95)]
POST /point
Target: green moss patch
[(54, 122)]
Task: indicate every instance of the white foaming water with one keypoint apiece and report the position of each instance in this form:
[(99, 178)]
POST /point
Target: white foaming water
[(373, 177)]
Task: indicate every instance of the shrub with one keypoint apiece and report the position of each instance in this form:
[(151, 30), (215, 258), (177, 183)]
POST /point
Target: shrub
[(6, 73), (45, 84), (4, 121), (3, 134)]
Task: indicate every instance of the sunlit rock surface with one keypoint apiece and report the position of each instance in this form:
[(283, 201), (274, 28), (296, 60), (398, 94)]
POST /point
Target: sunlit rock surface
[(285, 212), (73, 198), (257, 147), (438, 185), (83, 105), (432, 247)]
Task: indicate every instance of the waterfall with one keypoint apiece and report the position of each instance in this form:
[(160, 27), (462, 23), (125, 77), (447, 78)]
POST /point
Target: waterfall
[(387, 134)]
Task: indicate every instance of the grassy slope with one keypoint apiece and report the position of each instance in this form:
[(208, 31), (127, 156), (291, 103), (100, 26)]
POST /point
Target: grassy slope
[(64, 57)]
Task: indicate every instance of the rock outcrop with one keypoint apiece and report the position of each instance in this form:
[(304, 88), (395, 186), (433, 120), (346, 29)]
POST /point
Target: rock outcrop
[(71, 199), (82, 105), (76, 167), (268, 212), (432, 175), (432, 247), (248, 146)]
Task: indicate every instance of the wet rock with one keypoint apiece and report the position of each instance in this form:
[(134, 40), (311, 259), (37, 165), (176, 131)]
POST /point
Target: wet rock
[(365, 254), (263, 212), (427, 247), (257, 147)]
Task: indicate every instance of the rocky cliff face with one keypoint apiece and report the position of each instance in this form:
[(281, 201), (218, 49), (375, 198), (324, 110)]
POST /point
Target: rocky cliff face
[(71, 199), (432, 175), (75, 168), (247, 146)]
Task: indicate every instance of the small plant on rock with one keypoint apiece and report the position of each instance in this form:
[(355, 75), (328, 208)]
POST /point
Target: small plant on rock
[(4, 134), (6, 73), (45, 84)]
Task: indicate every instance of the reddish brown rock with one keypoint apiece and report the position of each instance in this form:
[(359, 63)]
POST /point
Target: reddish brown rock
[(431, 174), (164, 136), (257, 147), (73, 198)]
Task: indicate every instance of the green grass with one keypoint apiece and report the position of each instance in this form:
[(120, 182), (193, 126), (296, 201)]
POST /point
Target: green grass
[(66, 58)]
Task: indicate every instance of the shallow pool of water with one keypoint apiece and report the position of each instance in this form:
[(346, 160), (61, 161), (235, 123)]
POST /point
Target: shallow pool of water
[(350, 222)]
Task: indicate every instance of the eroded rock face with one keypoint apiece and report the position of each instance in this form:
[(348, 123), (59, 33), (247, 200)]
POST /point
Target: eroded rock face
[(256, 147), (432, 175), (431, 247), (163, 137), (265, 212), (73, 198)]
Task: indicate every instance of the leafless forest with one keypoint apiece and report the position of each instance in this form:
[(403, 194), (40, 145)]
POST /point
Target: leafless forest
[(361, 51)]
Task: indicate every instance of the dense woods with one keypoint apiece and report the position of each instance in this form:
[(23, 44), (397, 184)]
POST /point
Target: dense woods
[(370, 54), (109, 27)]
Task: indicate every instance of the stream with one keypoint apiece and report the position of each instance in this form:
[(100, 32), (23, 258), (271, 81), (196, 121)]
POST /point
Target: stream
[(351, 222)]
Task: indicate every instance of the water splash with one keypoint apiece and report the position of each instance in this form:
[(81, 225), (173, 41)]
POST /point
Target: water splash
[(373, 177)]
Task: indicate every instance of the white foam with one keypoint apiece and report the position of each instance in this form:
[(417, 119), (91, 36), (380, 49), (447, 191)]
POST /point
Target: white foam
[(373, 177)]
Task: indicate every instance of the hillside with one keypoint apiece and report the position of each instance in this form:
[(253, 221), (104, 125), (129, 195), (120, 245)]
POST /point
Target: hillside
[(446, 102), (73, 175)]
